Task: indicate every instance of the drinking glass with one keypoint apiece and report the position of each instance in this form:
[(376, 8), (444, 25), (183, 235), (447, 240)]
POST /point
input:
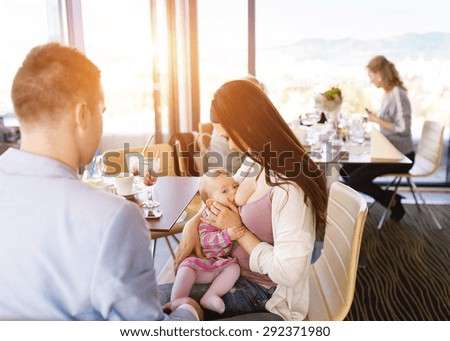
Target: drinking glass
[(310, 119), (93, 171), (357, 130), (151, 169)]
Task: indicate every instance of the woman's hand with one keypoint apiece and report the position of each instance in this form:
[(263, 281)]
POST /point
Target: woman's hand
[(224, 216), (190, 242), (372, 117), (236, 232)]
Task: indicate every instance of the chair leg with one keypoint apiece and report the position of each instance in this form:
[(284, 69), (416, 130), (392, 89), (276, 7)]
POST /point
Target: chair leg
[(170, 247), (385, 188), (383, 217), (411, 187), (176, 239), (436, 222)]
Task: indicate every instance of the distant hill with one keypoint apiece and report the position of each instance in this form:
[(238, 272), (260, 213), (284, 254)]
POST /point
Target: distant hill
[(413, 45)]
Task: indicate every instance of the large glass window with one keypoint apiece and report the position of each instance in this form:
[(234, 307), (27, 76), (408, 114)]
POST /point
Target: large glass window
[(24, 24), (222, 30), (306, 47), (117, 37)]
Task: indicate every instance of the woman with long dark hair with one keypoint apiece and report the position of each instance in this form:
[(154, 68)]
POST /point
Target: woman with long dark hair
[(282, 203)]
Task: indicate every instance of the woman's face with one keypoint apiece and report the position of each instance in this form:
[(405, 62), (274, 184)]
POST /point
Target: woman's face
[(375, 78), (224, 134)]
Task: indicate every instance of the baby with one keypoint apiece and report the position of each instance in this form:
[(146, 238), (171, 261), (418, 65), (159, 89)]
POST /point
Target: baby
[(217, 268)]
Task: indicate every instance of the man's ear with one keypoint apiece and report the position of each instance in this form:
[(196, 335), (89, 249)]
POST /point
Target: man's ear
[(209, 202), (81, 115)]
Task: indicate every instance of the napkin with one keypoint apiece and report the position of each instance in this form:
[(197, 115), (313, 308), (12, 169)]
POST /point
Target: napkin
[(382, 149)]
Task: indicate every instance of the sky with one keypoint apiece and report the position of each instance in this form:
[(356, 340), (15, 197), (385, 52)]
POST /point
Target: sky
[(287, 21), (280, 22)]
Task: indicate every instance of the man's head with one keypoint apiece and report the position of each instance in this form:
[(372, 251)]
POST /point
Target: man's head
[(217, 185), (59, 87)]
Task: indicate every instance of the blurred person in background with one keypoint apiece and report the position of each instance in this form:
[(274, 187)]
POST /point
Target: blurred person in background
[(394, 118)]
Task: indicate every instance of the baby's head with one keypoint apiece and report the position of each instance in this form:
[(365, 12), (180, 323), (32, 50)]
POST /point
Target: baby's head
[(217, 185)]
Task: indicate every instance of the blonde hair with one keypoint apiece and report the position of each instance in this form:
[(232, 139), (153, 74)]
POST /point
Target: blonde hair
[(52, 78), (389, 74)]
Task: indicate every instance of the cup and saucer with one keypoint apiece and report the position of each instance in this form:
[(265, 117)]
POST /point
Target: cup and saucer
[(124, 184)]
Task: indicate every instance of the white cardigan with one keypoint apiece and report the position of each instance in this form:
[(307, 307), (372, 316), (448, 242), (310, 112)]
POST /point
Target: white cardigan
[(287, 263)]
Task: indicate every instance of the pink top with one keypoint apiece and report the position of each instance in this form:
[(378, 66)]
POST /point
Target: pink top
[(257, 217), (216, 247)]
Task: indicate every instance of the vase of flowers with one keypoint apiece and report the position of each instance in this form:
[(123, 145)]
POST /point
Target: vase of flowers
[(329, 103)]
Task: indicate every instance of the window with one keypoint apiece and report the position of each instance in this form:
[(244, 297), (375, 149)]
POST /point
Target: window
[(24, 24), (117, 38), (306, 47), (222, 29)]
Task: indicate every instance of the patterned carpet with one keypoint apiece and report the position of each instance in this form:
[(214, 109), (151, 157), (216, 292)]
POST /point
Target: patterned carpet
[(407, 268)]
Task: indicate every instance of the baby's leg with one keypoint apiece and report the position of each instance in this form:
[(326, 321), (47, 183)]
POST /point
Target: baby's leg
[(219, 287), (184, 280)]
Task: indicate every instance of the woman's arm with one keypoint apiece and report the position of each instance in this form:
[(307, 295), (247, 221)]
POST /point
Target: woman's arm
[(228, 217), (383, 123), (190, 242), (287, 261), (397, 110)]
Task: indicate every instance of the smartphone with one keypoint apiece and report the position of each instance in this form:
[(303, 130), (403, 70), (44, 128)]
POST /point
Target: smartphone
[(368, 111)]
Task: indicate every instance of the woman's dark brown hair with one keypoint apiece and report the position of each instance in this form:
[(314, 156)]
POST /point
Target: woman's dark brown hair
[(252, 121)]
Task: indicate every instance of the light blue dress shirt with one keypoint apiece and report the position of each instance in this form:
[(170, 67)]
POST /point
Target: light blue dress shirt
[(70, 251)]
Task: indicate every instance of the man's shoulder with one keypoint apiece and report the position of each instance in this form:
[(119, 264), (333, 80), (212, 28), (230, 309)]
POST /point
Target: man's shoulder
[(96, 199)]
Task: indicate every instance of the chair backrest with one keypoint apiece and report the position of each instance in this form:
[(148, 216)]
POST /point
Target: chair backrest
[(205, 131), (185, 150), (205, 128), (116, 160), (428, 156), (333, 275)]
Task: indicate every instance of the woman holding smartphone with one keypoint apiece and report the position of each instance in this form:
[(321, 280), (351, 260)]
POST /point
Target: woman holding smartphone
[(394, 118)]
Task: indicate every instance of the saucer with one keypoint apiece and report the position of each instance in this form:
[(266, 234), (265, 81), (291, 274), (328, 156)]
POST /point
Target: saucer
[(130, 195)]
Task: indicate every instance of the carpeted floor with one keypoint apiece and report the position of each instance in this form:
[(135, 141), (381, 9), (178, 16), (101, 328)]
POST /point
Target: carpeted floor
[(407, 268)]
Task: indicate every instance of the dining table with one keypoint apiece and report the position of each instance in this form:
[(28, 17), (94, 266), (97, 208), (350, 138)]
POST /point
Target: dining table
[(374, 148), (174, 193), (331, 153)]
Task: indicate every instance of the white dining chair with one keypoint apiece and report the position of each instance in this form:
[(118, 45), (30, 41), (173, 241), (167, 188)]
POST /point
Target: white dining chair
[(426, 163), (332, 277)]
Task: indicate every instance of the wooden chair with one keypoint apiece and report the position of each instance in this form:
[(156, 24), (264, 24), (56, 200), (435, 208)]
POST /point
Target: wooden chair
[(426, 163), (186, 151), (332, 277), (205, 131), (116, 162)]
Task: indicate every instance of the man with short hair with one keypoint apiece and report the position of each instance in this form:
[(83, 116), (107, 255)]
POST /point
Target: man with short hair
[(68, 250)]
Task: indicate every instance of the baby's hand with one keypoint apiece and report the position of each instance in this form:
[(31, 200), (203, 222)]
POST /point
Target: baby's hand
[(236, 232)]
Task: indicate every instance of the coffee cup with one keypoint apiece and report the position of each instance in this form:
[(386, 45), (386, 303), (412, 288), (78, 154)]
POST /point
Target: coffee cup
[(105, 187), (124, 183)]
